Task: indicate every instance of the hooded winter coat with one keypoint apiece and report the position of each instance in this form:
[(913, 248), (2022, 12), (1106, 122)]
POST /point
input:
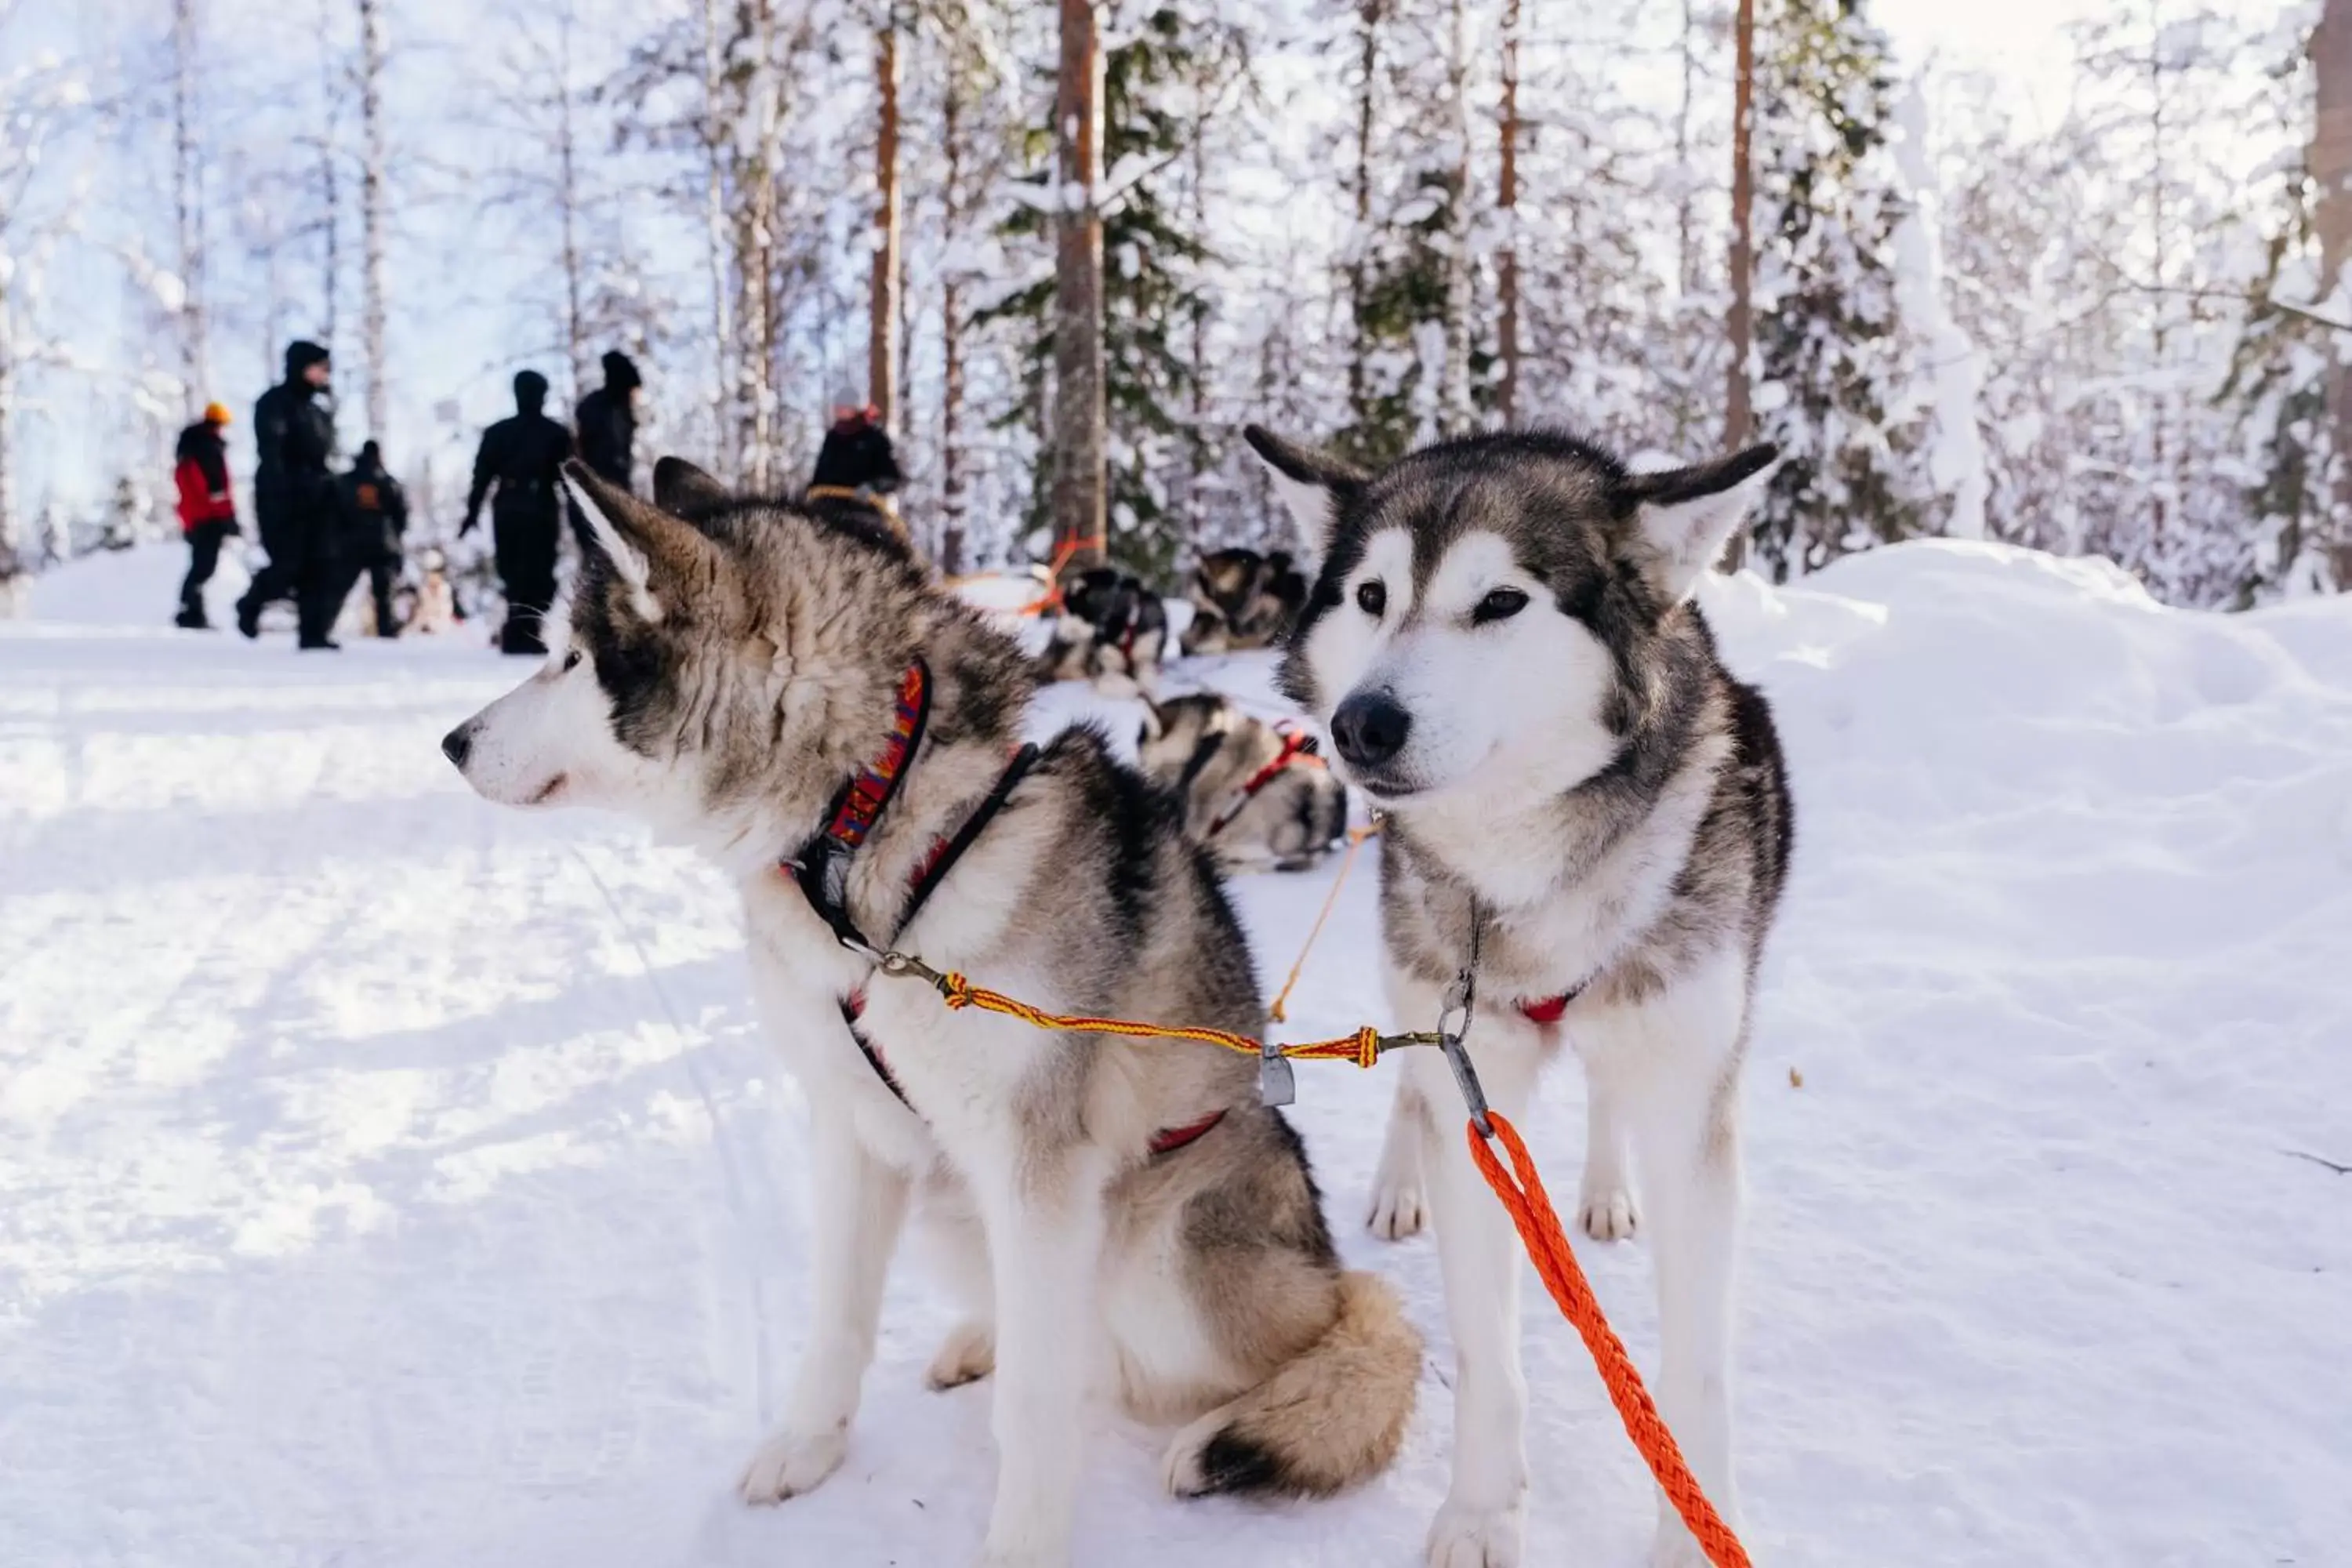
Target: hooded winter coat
[(293, 436), (608, 422)]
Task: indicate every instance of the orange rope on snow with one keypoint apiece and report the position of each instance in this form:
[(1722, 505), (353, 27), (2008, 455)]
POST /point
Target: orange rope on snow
[(1356, 836), (1521, 1190)]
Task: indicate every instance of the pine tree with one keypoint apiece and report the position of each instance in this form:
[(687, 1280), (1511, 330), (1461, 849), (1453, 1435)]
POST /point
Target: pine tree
[(1835, 389), (1159, 76)]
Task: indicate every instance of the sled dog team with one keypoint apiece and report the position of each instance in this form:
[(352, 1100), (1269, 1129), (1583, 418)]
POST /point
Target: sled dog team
[(1582, 805)]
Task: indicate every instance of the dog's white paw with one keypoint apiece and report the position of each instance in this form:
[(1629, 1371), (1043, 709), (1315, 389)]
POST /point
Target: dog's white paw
[(1399, 1206), (969, 1355), (1607, 1214), (1465, 1537), (790, 1463)]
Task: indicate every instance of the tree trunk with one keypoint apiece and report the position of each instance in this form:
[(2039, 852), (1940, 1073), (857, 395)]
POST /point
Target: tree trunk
[(1687, 254), (567, 198), (951, 475), (1454, 402), (1506, 197), (1740, 417), (188, 210), (1368, 63), (714, 237), (372, 218), (882, 350), (2331, 173), (331, 185), (1079, 478)]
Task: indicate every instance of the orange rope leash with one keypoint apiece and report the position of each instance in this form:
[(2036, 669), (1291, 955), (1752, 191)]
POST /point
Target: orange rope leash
[(1356, 836), (1362, 1047), (1064, 553), (1521, 1190)]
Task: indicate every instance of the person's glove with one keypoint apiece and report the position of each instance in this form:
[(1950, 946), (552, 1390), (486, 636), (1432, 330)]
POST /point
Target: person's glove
[(473, 520)]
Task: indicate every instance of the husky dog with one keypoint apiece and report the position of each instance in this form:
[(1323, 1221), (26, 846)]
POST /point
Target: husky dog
[(1584, 804), (1253, 797), (786, 691), (435, 609), (1112, 630), (1241, 600)]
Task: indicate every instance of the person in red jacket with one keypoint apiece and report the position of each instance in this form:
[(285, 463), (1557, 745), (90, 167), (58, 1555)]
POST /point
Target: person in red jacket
[(207, 509)]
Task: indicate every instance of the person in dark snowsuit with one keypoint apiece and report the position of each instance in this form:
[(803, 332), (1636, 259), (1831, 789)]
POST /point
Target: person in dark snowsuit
[(523, 457), (857, 471), (373, 512), (608, 432), (293, 498), (207, 509)]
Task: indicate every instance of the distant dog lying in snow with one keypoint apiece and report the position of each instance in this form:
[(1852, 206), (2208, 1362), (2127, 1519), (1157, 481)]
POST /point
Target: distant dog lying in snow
[(1241, 600), (787, 692), (1253, 796), (1112, 630)]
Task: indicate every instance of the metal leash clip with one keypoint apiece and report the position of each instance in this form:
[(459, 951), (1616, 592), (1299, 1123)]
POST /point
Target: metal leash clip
[(1462, 997), (1276, 1083)]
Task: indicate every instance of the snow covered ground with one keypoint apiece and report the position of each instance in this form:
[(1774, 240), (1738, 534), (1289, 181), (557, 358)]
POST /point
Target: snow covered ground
[(390, 1179)]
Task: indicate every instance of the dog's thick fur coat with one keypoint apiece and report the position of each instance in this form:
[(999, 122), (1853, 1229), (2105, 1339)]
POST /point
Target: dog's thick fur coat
[(1502, 643), (726, 666)]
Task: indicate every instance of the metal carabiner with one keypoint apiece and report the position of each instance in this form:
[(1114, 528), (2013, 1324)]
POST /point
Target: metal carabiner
[(1462, 997)]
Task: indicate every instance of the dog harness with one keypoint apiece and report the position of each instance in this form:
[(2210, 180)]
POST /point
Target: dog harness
[(819, 868), (1548, 1009), (1297, 750)]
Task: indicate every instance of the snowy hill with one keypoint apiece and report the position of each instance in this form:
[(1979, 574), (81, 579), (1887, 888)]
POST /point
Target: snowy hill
[(396, 1179)]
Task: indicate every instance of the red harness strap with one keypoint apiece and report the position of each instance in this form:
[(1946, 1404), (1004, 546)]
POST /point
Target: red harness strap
[(1298, 748), (1547, 1009), (1168, 1139)]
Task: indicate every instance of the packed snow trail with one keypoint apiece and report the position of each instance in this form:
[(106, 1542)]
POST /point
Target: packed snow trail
[(393, 1179)]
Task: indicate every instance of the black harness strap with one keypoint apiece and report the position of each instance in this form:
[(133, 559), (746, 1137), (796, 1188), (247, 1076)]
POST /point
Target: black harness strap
[(1198, 762)]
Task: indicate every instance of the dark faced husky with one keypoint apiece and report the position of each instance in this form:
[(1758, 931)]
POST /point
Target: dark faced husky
[(785, 692), (1112, 630), (1503, 646), (1253, 797)]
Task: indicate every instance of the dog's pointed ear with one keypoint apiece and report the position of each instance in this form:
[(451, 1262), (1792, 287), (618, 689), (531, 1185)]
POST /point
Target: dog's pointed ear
[(645, 544), (1313, 484), (680, 487), (1685, 518)]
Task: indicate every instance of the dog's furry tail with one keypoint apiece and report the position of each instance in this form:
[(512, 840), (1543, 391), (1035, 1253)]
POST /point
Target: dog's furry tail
[(1330, 1418)]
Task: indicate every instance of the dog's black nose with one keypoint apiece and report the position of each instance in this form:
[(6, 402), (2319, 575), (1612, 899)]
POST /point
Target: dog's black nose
[(1369, 728), (458, 743)]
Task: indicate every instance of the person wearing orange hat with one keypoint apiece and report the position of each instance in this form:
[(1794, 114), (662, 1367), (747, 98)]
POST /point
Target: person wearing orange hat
[(207, 509)]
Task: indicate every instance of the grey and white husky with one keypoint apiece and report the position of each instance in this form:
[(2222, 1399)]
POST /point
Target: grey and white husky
[(1253, 797), (1503, 645), (788, 693)]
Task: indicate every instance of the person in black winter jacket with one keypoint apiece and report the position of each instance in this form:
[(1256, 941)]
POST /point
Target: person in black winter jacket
[(523, 457), (292, 498), (608, 432), (373, 512)]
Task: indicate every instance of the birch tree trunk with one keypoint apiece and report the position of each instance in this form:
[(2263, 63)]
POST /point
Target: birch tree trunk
[(882, 347), (1453, 403), (1079, 476), (188, 210), (714, 220), (1368, 61), (567, 200), (371, 214), (330, 183)]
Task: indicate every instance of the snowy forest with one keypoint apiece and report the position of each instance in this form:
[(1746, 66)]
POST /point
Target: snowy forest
[(1069, 249)]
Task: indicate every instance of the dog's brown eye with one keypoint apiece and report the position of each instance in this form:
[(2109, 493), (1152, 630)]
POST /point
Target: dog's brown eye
[(571, 661), (1372, 597), (1499, 605)]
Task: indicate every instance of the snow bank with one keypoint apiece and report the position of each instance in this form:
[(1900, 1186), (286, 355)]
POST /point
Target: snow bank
[(396, 1179)]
